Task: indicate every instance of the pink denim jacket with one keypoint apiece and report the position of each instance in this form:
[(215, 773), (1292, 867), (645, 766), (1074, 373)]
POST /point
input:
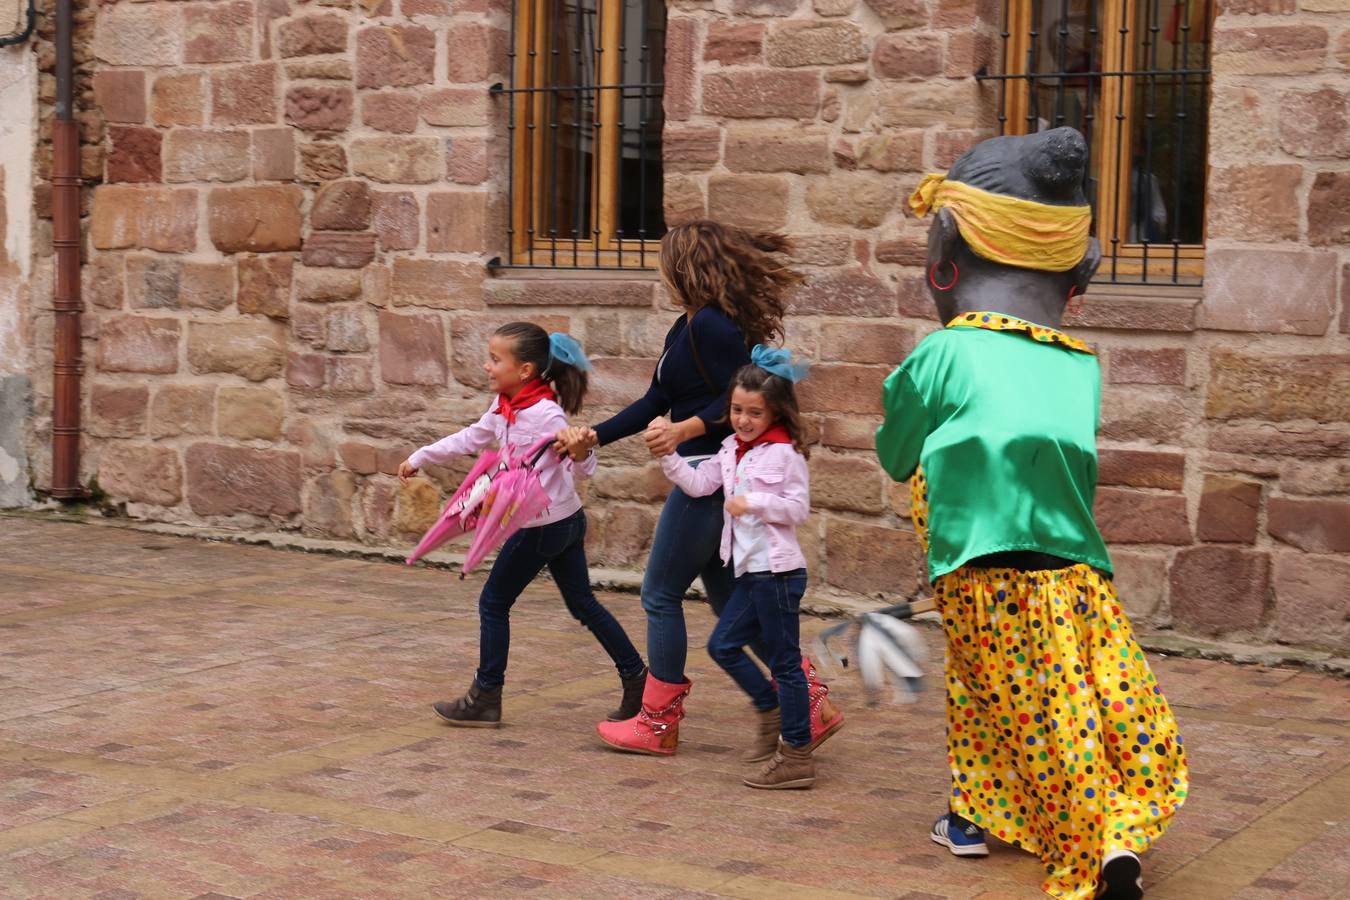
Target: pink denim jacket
[(779, 493), (545, 418)]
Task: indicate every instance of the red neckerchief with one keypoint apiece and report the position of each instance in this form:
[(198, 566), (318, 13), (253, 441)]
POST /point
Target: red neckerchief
[(776, 434), (532, 392)]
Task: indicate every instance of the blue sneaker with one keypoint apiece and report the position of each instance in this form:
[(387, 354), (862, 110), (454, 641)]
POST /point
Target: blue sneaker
[(964, 839)]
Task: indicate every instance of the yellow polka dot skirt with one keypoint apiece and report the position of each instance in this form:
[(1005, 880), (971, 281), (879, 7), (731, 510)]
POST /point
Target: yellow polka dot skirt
[(1058, 737)]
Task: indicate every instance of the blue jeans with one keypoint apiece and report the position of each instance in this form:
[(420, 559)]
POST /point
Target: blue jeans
[(767, 606), (686, 545), (562, 547)]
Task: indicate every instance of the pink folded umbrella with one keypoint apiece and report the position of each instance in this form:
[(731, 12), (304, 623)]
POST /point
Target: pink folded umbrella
[(499, 495)]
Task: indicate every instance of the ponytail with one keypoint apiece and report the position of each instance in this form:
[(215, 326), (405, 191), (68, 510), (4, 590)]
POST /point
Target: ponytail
[(557, 359)]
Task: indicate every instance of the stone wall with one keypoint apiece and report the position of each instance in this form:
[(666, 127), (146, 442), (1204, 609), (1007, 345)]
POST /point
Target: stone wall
[(287, 291)]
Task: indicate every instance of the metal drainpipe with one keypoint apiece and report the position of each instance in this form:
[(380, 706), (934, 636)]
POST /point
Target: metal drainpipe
[(67, 366)]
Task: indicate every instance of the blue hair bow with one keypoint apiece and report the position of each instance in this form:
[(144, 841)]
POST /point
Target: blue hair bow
[(566, 349), (778, 361)]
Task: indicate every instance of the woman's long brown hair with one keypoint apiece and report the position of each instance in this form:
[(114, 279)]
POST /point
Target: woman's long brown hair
[(704, 262)]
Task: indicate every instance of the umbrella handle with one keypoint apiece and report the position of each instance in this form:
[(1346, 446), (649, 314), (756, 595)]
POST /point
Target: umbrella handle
[(537, 452)]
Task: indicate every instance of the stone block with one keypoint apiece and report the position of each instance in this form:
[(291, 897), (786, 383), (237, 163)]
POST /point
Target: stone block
[(625, 536), (192, 154), (1319, 525), (120, 95), (248, 414), (734, 43), (306, 371), (118, 410), (870, 559), (397, 160), (904, 56), (921, 104), (217, 32), (1228, 510), (358, 457), (141, 473), (412, 349), (251, 349), (898, 152), (844, 292), (682, 200), (207, 285), (1268, 49), (506, 292), (857, 199), (1311, 605), (690, 149), (225, 480), (312, 36), (777, 8), (179, 409), (1140, 578), (322, 161), (850, 432), (457, 222), (466, 161), (474, 52), (149, 218), (327, 504), (378, 502), (339, 249), (256, 219), (820, 249), (773, 150), (395, 219), (750, 201), (877, 343), (681, 44), (849, 483), (1160, 469), (138, 344), (1219, 590), (244, 95), (395, 56), (1314, 123), (437, 283), (843, 388), (319, 108), (907, 250), (139, 35), (1242, 120), (636, 484), (154, 282), (1127, 516), (1254, 203), (1278, 388), (1135, 313), (134, 154), (103, 280), (341, 206), (896, 14), (815, 43), (327, 285), (761, 94), (179, 99), (274, 154), (392, 111), (618, 382), (1315, 478), (1329, 210), (265, 286), (1138, 365), (455, 107), (1304, 441)]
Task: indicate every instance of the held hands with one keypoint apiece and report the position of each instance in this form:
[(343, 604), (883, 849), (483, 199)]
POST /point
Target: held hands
[(406, 470), (662, 437), (737, 506), (576, 441)]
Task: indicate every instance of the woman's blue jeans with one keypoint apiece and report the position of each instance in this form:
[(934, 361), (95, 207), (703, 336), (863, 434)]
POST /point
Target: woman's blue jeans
[(561, 546), (686, 546)]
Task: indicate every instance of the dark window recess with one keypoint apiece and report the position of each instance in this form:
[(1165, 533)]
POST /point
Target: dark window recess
[(1134, 77), (585, 118)]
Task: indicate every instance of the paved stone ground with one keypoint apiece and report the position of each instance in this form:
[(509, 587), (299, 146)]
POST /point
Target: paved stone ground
[(190, 719)]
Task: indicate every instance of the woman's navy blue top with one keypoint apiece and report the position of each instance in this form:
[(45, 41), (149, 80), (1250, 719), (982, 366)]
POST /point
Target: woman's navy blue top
[(678, 388)]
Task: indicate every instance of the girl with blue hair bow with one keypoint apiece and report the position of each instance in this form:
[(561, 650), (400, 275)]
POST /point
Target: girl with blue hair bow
[(539, 379), (761, 470)]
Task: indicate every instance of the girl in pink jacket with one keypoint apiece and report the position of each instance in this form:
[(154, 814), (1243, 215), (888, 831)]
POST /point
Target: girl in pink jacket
[(761, 468), (539, 379)]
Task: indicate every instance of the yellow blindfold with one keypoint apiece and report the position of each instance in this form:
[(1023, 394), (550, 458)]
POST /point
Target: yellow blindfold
[(1009, 230)]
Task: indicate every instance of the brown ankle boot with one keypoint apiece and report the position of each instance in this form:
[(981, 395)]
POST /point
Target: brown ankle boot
[(478, 708), (768, 724), (632, 697), (790, 767)]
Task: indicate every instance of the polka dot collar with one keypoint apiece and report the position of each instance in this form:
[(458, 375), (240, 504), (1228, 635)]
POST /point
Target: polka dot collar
[(999, 322)]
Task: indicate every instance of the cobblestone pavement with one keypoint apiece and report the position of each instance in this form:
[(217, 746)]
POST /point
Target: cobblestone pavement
[(190, 719)]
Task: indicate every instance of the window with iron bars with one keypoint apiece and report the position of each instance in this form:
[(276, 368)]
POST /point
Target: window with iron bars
[(1134, 77), (585, 119)]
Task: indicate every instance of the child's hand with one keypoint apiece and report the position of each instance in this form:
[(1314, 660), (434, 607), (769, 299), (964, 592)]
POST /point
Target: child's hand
[(661, 437), (737, 506), (406, 470)]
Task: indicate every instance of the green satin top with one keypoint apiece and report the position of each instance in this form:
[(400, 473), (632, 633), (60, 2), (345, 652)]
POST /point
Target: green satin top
[(1002, 415)]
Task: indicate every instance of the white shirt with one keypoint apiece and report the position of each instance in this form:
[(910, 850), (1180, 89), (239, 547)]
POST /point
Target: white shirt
[(749, 536)]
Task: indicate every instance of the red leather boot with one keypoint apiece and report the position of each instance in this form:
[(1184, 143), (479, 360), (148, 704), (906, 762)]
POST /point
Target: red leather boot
[(826, 718), (655, 729)]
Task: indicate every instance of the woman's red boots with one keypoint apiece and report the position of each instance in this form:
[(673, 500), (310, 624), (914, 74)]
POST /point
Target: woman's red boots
[(656, 728)]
